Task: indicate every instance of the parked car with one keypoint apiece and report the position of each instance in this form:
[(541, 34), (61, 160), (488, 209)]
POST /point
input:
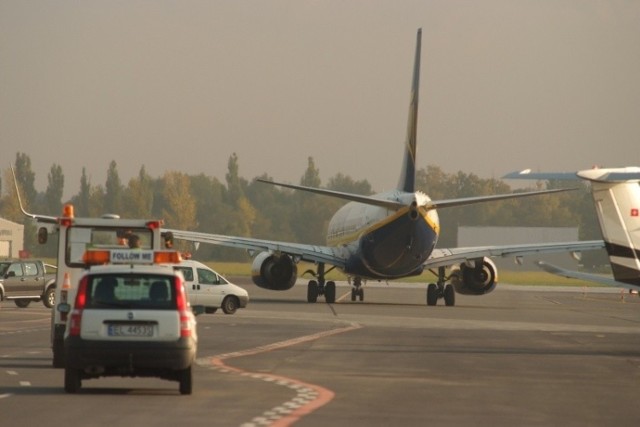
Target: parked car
[(27, 280)]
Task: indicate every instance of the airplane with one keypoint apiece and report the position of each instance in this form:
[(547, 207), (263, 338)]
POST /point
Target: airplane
[(616, 197), (386, 236)]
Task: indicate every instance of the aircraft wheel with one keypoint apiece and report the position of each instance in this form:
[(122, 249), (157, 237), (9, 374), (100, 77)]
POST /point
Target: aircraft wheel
[(330, 292), (449, 296), (312, 291), (432, 294)]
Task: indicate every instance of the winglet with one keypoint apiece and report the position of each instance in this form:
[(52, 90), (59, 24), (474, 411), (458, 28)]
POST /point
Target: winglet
[(408, 174)]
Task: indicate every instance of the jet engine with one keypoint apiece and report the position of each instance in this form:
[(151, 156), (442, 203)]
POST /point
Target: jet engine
[(276, 272), (475, 277)]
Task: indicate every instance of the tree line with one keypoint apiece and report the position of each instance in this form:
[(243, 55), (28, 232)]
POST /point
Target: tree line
[(242, 207)]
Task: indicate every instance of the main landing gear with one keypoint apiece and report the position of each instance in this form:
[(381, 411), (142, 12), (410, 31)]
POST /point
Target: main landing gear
[(319, 287), (356, 289), (435, 291)]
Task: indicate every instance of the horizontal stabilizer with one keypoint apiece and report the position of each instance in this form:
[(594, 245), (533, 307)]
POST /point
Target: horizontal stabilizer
[(368, 200), (603, 280), (627, 174), (481, 199), (542, 176)]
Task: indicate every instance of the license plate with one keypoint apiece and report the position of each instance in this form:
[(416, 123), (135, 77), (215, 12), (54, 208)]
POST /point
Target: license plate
[(133, 330)]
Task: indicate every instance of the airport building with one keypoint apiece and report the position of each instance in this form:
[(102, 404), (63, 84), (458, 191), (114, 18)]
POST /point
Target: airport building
[(11, 239)]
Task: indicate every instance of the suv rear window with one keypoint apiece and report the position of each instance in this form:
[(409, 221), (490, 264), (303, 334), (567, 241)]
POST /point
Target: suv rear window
[(139, 291)]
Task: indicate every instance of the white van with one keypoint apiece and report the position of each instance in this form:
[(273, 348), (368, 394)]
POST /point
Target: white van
[(208, 289)]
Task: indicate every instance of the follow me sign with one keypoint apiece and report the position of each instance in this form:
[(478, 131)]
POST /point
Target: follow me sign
[(131, 256)]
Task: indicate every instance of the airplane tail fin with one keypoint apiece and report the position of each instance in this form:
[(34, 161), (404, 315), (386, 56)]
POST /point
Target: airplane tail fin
[(408, 174), (617, 204), (616, 197)]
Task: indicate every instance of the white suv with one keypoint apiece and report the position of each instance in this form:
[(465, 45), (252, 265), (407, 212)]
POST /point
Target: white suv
[(131, 321)]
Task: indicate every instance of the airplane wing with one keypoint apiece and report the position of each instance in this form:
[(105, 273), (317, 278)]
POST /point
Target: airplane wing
[(603, 280), (446, 257), (312, 253), (333, 256)]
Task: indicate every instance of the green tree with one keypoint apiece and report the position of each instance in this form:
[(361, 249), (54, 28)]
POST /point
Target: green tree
[(138, 196), (180, 206), (275, 210), (234, 182), (10, 209), (26, 179), (346, 184), (81, 200), (114, 190), (96, 201), (311, 212), (238, 220), (55, 189)]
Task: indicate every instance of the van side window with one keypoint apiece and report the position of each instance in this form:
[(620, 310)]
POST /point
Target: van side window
[(187, 273), (207, 277)]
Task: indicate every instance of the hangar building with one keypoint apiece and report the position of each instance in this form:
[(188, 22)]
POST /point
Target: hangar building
[(11, 239)]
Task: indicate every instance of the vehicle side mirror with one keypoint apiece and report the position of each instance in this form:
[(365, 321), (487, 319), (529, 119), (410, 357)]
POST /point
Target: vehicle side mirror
[(43, 235), (63, 307), (10, 274)]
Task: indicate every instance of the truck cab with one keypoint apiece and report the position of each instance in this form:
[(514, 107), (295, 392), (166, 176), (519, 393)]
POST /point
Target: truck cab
[(78, 235)]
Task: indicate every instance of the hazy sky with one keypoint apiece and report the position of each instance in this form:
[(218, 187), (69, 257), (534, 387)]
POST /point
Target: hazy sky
[(181, 85)]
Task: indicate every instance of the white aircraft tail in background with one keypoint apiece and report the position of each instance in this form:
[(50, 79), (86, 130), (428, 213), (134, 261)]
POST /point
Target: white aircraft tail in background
[(616, 197)]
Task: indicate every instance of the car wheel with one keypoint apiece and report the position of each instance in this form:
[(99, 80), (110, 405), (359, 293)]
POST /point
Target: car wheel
[(230, 305), (49, 297), (72, 380), (23, 303), (186, 383)]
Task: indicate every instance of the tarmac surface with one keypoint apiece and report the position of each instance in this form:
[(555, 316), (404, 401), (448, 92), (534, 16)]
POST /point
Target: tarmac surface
[(532, 356)]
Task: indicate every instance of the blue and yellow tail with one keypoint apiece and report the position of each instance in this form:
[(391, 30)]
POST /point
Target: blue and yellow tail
[(408, 175)]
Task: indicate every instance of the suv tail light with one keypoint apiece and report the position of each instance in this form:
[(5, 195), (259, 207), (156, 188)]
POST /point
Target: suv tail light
[(183, 309), (75, 321)]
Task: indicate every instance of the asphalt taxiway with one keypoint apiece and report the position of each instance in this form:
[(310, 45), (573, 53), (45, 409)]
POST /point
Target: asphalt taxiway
[(518, 356)]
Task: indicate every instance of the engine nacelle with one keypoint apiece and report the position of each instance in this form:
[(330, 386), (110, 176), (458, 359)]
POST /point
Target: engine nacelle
[(274, 272), (476, 277)]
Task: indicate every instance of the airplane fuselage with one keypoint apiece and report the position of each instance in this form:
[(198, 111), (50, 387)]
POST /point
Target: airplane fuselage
[(383, 243)]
